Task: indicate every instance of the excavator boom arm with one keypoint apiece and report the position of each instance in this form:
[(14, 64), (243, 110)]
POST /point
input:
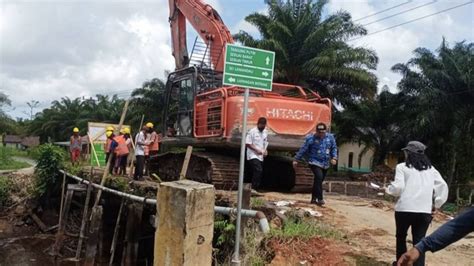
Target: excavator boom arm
[(208, 24)]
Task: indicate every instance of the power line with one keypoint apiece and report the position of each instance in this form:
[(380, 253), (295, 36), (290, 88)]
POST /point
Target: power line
[(400, 13), (413, 20), (382, 11)]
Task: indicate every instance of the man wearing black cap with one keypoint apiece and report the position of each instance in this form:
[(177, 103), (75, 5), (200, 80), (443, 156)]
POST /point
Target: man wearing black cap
[(321, 150)]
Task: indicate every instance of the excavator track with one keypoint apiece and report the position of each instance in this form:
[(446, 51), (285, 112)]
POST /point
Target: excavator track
[(223, 171)]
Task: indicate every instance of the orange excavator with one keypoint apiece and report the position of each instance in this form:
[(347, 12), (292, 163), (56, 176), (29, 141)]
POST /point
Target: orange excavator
[(201, 112)]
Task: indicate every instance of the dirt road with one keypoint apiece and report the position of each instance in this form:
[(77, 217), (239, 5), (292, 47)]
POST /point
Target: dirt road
[(371, 230), (25, 171)]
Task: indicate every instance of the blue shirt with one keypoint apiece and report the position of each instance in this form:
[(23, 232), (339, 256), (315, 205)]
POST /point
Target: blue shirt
[(448, 233), (318, 151)]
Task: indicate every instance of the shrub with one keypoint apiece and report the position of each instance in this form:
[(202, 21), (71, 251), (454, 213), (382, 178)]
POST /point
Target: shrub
[(5, 187), (223, 242), (257, 202), (47, 176)]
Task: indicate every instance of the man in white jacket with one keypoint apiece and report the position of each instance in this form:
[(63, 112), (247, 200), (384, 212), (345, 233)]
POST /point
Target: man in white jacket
[(420, 188)]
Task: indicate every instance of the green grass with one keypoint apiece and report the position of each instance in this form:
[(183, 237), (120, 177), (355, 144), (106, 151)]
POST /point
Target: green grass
[(305, 229), (11, 164), (12, 152), (257, 202), (6, 159)]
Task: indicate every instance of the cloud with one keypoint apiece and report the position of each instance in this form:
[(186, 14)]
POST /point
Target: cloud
[(397, 44), (247, 27), (52, 50)]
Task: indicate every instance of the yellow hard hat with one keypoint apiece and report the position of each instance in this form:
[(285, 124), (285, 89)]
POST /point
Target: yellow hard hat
[(122, 130), (149, 124), (75, 130), (108, 133), (126, 130), (110, 128)]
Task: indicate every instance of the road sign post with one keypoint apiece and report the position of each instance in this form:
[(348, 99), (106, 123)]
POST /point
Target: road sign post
[(249, 68)]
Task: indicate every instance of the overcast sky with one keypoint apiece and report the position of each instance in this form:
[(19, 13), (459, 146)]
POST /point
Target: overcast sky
[(52, 49)]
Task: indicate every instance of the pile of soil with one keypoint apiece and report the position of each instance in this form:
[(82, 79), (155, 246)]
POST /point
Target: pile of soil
[(381, 174), (312, 251)]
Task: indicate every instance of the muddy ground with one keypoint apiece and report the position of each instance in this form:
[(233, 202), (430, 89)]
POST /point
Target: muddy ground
[(367, 224)]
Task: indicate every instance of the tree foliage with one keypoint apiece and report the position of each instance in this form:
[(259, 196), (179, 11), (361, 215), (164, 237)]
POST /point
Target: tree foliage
[(7, 125), (56, 122), (434, 105), (311, 49), (149, 100), (373, 124), (437, 99)]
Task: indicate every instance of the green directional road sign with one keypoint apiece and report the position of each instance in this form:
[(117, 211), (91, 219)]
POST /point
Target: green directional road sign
[(248, 67)]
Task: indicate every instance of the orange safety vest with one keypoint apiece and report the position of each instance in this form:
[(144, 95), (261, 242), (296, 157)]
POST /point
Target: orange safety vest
[(122, 147), (154, 146), (108, 143)]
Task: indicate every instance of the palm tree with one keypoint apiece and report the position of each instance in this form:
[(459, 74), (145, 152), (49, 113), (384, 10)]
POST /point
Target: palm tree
[(439, 96), (149, 100), (311, 49), (374, 124)]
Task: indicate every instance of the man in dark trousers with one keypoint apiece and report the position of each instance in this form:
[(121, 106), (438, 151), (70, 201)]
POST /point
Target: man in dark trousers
[(257, 143), (321, 150), (140, 143)]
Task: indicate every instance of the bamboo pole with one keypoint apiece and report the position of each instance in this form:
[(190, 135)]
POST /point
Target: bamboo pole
[(116, 231), (106, 172), (84, 217)]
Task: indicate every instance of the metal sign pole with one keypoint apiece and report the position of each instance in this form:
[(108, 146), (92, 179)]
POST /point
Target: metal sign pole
[(236, 258)]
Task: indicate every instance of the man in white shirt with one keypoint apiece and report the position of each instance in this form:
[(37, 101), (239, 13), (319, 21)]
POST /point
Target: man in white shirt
[(257, 143), (140, 143)]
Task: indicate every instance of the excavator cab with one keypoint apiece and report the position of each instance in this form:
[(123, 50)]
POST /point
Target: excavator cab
[(179, 102), (182, 87)]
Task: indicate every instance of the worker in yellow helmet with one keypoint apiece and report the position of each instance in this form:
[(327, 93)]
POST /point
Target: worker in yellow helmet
[(123, 149), (75, 146), (109, 148)]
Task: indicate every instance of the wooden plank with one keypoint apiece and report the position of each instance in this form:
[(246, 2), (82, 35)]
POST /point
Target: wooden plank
[(187, 158), (38, 221), (116, 232), (62, 223), (62, 198), (77, 187), (93, 236), (132, 234)]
